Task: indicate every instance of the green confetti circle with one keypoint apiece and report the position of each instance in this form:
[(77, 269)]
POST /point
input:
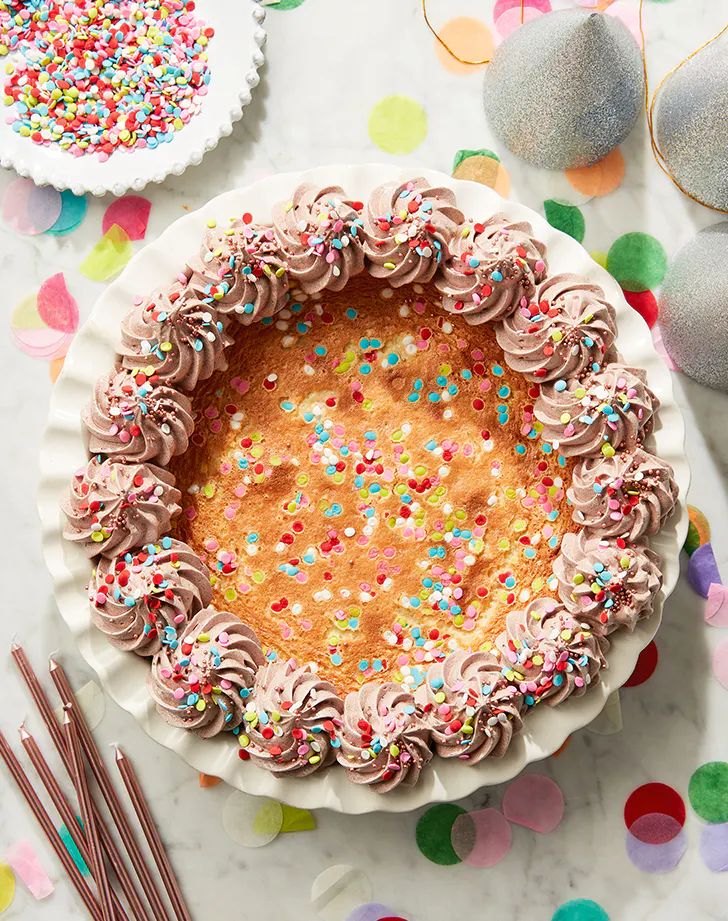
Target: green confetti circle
[(433, 833), (638, 261), (565, 217), (465, 154), (580, 910), (398, 124), (708, 791), (285, 5), (692, 541)]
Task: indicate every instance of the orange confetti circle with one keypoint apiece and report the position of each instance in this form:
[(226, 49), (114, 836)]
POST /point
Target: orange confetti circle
[(601, 177), (469, 38)]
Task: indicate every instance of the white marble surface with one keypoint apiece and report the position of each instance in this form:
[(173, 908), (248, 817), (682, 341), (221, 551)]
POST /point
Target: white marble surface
[(329, 62)]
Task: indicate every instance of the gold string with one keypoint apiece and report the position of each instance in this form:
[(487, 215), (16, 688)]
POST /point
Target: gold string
[(650, 111), (445, 45)]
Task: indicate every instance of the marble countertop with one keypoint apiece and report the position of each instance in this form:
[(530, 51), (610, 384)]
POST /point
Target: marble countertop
[(329, 62)]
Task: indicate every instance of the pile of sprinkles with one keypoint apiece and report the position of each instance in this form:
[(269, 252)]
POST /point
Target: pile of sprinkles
[(375, 489), (92, 76)]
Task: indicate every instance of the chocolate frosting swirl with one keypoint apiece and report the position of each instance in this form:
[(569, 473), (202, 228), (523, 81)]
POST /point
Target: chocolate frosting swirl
[(291, 723), (409, 228), (112, 507), (241, 271), (631, 494), (493, 268), (175, 336), (606, 411), (566, 329), (140, 596), (550, 654), (204, 672), (320, 236), (606, 582), (470, 707), (384, 740), (138, 418)]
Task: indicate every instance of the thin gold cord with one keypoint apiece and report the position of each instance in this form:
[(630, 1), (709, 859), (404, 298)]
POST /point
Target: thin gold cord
[(445, 45)]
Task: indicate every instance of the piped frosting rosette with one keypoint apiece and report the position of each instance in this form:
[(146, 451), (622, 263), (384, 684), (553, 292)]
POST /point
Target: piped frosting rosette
[(607, 582), (565, 329), (204, 672), (409, 228), (241, 271), (630, 494), (606, 411), (470, 707), (548, 654), (112, 507), (140, 597), (384, 740), (493, 267), (176, 337), (291, 723), (319, 232), (135, 416)]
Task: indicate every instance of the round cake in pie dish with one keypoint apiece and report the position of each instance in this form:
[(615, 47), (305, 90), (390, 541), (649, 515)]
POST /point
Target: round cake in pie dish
[(375, 500)]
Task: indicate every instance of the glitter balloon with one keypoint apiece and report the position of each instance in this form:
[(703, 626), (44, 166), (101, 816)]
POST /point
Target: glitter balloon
[(565, 89), (691, 126), (693, 305)]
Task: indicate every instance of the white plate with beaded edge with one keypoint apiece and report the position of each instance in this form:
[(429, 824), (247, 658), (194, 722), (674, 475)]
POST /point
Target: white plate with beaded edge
[(235, 56), (123, 675)]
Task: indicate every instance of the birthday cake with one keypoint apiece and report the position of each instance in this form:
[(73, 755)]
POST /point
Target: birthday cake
[(367, 484)]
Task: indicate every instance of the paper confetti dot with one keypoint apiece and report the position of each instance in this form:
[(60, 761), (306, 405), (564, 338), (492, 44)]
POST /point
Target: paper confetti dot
[(109, 256), (601, 177), (656, 858), (252, 821), (714, 847), (7, 887), (716, 606), (599, 257), (70, 845), (434, 831), (511, 19), (700, 523), (708, 791), (73, 211), (297, 819), (653, 798), (92, 701), (720, 663), (469, 38), (207, 781), (645, 667), (285, 5), (372, 911), (655, 828), (580, 910), (645, 303), (482, 838), (55, 366), (703, 569), (338, 890), (31, 334), (131, 213), (26, 865), (30, 209), (565, 217), (534, 801), (398, 124), (484, 168), (638, 261), (56, 307)]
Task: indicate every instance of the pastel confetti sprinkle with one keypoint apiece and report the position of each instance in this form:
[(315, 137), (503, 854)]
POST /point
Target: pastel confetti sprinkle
[(638, 261), (73, 212), (656, 858), (599, 178), (131, 213), (56, 307), (483, 167), (207, 781), (297, 819), (434, 833), (716, 606), (70, 845), (108, 257), (703, 570), (714, 847), (534, 801), (30, 209), (469, 38), (7, 887), (251, 821), (512, 18), (338, 890), (565, 217), (398, 124), (580, 910), (482, 838), (708, 791), (31, 334), (26, 865)]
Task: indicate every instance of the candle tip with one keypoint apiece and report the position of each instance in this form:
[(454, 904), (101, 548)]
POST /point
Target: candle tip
[(24, 734)]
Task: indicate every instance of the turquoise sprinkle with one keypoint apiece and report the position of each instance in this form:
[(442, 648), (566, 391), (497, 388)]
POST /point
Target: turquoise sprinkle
[(351, 313), (320, 350), (392, 358), (497, 370), (365, 369)]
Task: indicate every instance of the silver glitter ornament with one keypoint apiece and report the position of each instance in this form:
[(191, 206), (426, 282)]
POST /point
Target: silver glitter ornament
[(694, 306), (565, 89), (691, 125)]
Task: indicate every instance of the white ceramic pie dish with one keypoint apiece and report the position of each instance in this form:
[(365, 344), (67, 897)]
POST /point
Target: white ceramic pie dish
[(124, 675), (235, 55)]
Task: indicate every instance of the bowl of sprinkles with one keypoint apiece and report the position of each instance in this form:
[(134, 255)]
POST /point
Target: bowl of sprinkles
[(481, 311), (107, 95)]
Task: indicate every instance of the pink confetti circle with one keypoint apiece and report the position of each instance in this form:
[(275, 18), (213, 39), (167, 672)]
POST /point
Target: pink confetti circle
[(656, 858), (534, 801), (131, 213), (56, 307), (482, 838), (511, 20), (31, 209), (720, 663)]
